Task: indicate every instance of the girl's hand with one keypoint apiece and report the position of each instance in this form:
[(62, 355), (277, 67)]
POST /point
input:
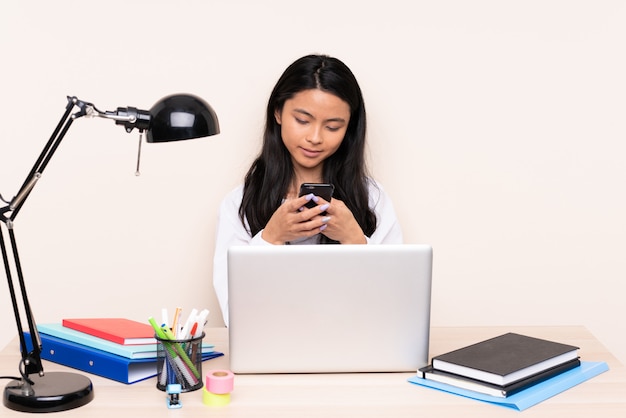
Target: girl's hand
[(292, 220), (340, 224)]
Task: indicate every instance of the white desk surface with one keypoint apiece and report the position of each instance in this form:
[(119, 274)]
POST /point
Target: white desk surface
[(352, 395)]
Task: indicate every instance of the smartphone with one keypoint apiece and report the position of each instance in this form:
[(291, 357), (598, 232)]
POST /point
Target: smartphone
[(323, 190)]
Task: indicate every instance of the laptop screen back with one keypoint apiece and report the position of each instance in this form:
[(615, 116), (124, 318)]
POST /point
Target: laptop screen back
[(329, 308)]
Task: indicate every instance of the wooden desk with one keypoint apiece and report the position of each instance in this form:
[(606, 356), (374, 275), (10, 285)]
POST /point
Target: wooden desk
[(354, 395)]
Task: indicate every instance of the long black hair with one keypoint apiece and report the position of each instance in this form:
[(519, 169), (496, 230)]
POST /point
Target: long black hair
[(271, 174)]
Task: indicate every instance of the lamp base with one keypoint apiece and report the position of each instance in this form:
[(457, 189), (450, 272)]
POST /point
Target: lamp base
[(53, 392)]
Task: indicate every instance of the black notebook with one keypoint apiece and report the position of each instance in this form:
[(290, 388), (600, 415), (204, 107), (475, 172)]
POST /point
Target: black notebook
[(505, 359), (429, 372)]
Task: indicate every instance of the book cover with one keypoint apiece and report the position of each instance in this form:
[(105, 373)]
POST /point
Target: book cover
[(531, 396), (118, 330), (138, 351), (462, 382), (101, 363), (505, 359)]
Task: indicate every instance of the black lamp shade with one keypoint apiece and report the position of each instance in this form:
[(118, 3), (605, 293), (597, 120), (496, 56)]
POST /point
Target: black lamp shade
[(181, 116)]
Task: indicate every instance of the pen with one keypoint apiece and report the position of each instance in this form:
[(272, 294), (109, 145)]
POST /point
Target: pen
[(175, 320)]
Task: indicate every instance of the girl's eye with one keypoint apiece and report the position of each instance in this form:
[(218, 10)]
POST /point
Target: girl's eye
[(301, 121), (332, 128)]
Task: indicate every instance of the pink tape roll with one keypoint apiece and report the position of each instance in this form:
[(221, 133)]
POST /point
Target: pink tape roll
[(220, 382)]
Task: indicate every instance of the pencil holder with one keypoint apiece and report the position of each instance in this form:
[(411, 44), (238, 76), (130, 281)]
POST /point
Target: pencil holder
[(179, 361)]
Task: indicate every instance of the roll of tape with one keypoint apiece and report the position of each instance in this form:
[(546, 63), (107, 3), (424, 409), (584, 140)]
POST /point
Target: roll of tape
[(220, 381), (215, 399)]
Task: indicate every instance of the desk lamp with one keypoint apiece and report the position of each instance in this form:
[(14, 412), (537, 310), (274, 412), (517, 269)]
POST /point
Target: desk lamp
[(173, 118)]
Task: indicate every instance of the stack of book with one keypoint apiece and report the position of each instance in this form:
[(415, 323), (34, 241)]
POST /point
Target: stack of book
[(115, 348), (502, 366)]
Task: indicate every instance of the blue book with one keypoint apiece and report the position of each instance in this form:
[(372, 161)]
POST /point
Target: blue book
[(98, 362), (530, 396), (141, 351)]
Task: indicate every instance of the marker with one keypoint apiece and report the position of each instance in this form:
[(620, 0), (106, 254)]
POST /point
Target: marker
[(157, 329), (184, 333), (202, 320), (164, 316)]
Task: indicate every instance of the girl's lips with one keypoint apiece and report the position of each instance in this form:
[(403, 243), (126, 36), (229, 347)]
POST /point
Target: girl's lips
[(310, 153)]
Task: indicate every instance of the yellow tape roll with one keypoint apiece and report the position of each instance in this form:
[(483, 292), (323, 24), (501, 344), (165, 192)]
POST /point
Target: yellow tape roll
[(214, 399)]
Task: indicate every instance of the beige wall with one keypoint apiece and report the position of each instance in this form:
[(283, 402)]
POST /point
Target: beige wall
[(497, 127)]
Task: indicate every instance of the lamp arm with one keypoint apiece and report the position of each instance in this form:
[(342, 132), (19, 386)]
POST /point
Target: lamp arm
[(130, 118), (42, 161), (31, 360)]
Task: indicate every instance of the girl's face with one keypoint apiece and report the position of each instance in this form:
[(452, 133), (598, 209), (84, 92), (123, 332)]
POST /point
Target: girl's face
[(313, 125)]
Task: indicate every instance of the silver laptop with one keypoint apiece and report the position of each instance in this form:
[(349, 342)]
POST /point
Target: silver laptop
[(329, 308)]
